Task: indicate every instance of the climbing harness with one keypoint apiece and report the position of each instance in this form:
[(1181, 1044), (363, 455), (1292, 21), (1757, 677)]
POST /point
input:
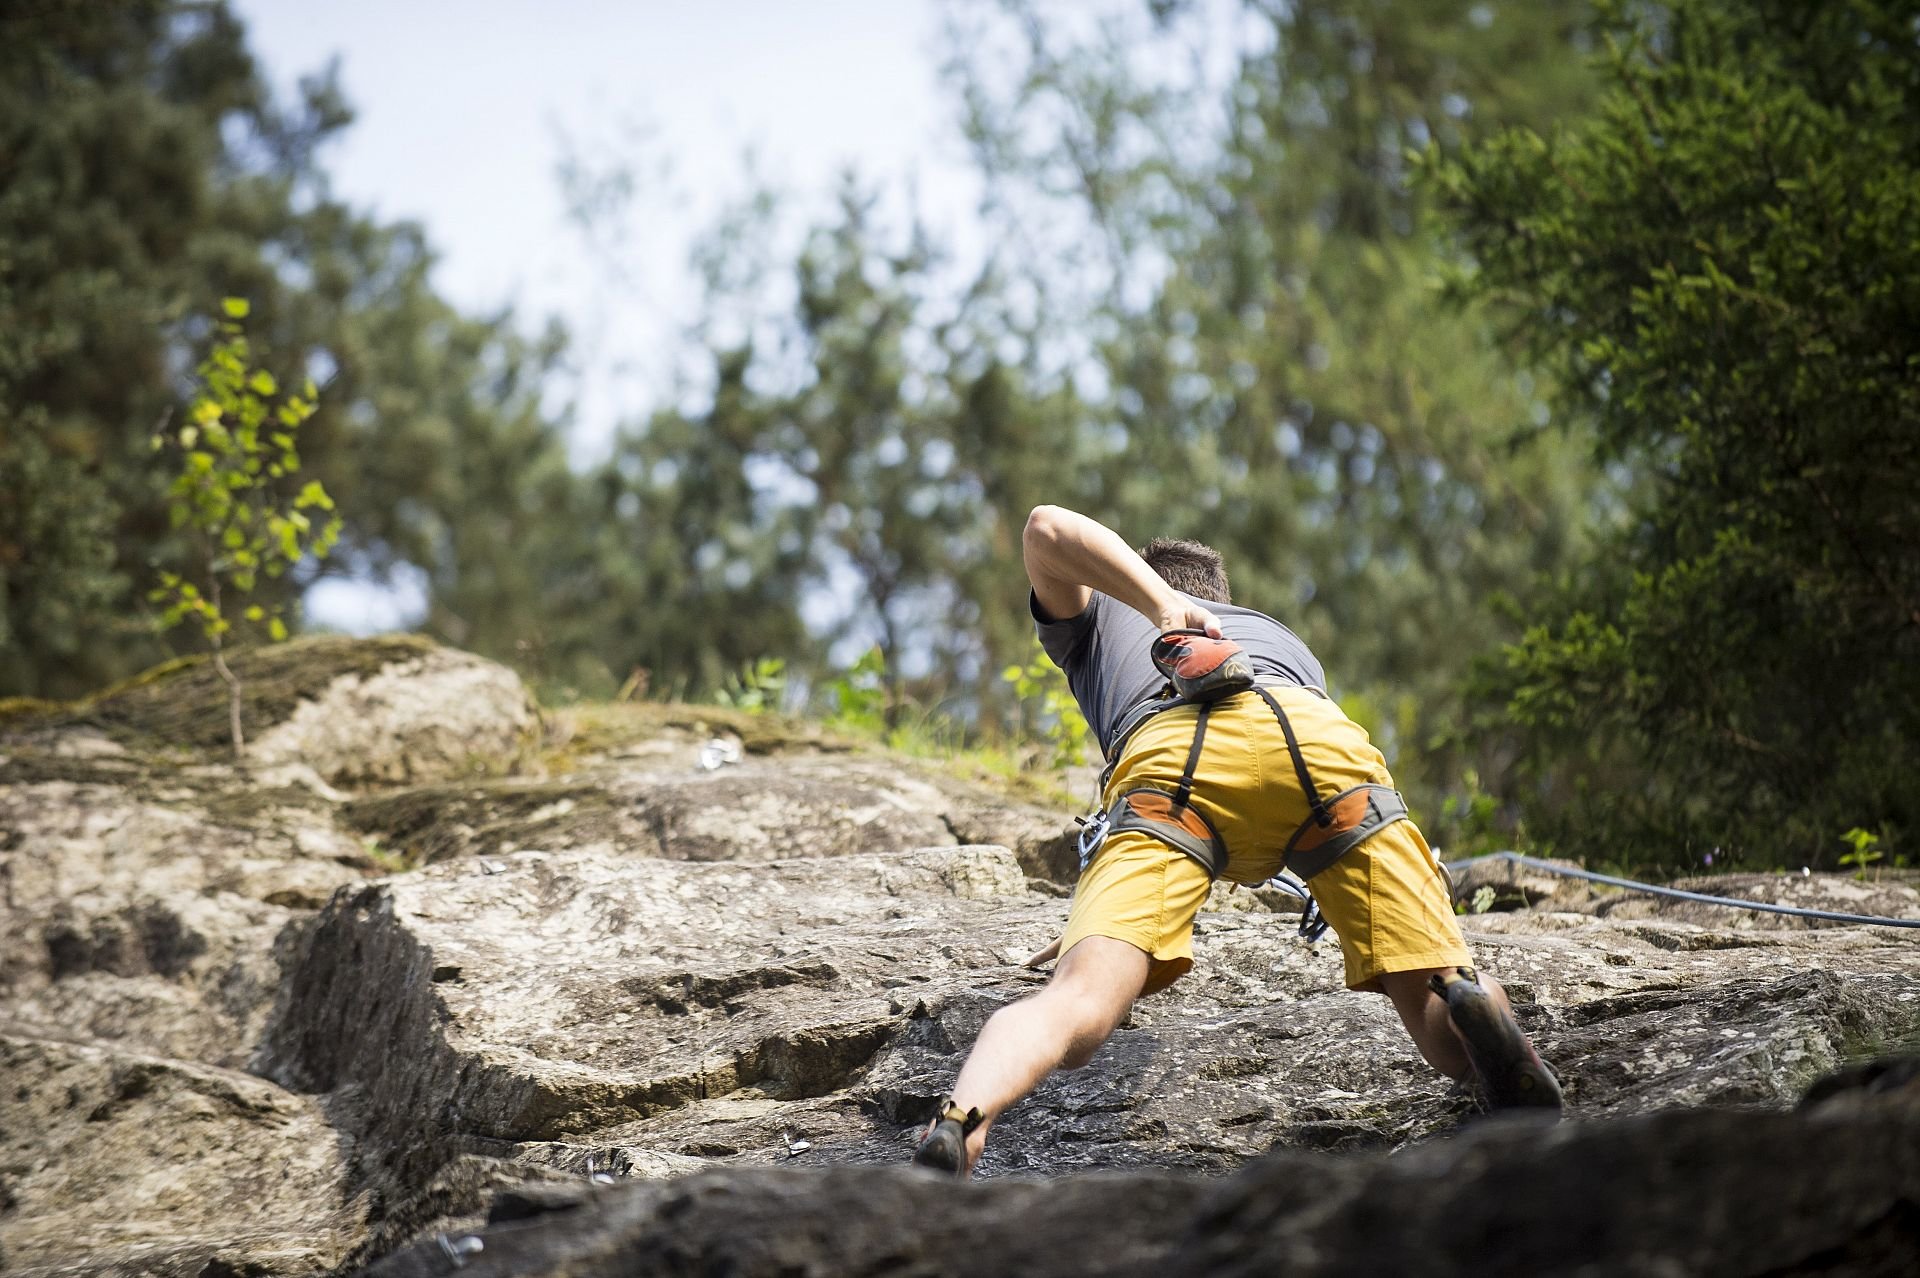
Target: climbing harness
[(945, 1147), (1203, 671), (1680, 894)]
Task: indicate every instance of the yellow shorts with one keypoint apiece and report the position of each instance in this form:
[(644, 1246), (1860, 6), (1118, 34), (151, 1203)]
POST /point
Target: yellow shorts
[(1386, 898)]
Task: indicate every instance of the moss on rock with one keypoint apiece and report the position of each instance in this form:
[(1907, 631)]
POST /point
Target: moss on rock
[(183, 703)]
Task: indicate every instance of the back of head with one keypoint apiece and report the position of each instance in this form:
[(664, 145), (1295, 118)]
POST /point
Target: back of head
[(1192, 566)]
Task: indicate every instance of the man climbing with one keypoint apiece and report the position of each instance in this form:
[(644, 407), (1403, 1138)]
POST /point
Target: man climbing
[(1225, 757)]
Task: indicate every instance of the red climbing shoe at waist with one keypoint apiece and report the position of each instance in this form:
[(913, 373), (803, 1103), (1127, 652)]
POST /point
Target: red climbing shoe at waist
[(1201, 668)]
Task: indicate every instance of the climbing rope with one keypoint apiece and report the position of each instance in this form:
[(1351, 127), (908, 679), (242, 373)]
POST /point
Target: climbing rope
[(1567, 871)]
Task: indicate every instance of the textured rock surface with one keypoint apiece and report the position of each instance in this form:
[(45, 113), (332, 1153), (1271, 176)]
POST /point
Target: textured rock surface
[(1679, 1192), (162, 1166), (618, 965), (438, 714)]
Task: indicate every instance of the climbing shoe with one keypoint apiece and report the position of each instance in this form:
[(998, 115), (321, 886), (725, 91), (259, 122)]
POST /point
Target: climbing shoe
[(1199, 667), (944, 1147), (1510, 1073)]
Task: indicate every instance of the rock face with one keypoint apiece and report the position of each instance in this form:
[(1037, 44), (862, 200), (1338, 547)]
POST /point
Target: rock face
[(164, 1165), (1679, 1192), (401, 969)]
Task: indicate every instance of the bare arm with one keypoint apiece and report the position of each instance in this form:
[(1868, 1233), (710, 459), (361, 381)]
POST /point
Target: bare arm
[(1068, 556)]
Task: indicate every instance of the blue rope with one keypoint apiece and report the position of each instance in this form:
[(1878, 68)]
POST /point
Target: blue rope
[(1677, 894)]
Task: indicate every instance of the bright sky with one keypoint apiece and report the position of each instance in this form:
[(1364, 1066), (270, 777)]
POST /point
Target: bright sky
[(462, 109)]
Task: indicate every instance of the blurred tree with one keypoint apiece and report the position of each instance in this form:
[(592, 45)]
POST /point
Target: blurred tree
[(712, 562), (1723, 268), (867, 436), (145, 173), (1252, 271), (1207, 311)]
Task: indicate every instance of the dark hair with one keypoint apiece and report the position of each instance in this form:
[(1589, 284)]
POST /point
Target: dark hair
[(1191, 566)]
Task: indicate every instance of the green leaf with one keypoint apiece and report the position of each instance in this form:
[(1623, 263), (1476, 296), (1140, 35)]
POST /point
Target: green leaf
[(235, 307), (278, 629), (255, 612), (262, 383)]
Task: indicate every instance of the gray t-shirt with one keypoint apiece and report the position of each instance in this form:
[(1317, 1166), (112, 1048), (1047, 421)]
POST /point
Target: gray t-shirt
[(1105, 653)]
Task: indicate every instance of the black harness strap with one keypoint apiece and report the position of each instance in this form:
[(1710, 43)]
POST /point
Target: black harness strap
[(1130, 723), (1185, 792), (1320, 813)]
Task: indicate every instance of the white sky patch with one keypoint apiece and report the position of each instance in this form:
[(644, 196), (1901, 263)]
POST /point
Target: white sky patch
[(464, 111), (358, 605)]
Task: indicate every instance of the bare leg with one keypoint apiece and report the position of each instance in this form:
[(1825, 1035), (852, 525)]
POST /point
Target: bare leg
[(1425, 1015), (1059, 1028)]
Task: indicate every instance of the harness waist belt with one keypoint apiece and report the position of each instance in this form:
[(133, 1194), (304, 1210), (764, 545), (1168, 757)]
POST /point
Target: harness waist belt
[(1333, 827)]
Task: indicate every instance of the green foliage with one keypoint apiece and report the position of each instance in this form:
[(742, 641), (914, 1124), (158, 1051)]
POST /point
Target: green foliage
[(1863, 850), (757, 687), (385, 860), (236, 463), (1470, 823), (1721, 267), (236, 454), (1042, 691), (58, 580), (857, 697)]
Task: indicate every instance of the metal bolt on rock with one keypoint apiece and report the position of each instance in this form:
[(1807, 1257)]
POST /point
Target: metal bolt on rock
[(459, 1251)]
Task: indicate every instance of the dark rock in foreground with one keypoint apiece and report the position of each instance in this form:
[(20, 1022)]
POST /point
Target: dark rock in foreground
[(1832, 1190)]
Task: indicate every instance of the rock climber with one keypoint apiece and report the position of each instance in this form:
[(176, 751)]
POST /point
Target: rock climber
[(1225, 759)]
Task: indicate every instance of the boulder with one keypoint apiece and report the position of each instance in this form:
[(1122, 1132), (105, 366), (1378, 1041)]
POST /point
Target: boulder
[(756, 810), (353, 711), (575, 1007)]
